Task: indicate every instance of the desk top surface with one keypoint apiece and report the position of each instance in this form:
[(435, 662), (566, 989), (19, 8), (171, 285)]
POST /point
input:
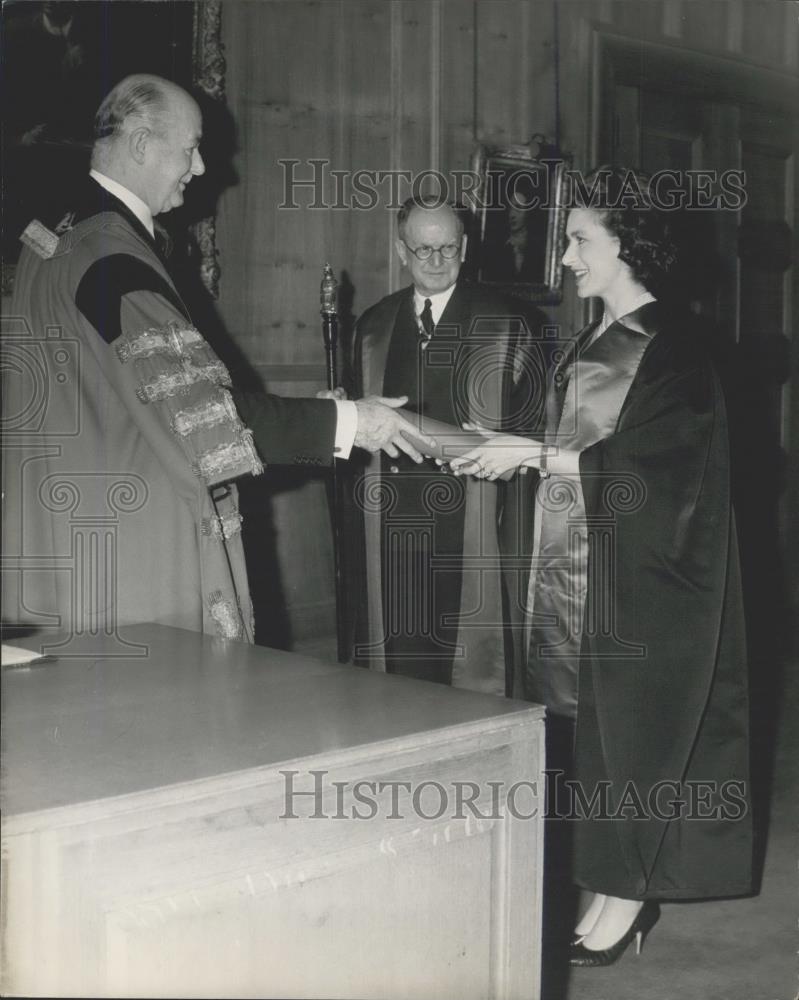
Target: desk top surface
[(81, 729)]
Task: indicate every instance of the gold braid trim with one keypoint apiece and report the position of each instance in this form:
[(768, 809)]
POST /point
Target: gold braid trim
[(205, 415), (170, 359), (222, 527), (225, 615), (233, 459), (171, 339), (189, 374)]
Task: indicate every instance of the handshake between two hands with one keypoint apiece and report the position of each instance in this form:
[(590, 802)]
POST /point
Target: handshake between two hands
[(473, 450)]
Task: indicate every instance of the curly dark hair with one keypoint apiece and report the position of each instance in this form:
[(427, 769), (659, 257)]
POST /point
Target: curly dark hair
[(621, 198)]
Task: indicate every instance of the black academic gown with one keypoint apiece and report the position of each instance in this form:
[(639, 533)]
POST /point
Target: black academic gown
[(420, 613), (662, 735)]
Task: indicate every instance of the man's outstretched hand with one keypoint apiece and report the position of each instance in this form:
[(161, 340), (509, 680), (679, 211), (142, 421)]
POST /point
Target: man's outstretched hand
[(379, 426)]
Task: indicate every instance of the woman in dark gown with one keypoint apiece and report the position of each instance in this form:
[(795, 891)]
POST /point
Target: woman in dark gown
[(635, 622)]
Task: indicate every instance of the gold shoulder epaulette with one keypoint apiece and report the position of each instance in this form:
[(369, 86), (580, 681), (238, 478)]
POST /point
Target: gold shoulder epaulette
[(40, 239)]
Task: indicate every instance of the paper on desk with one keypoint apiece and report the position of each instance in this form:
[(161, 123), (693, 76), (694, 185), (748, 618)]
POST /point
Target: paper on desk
[(14, 656)]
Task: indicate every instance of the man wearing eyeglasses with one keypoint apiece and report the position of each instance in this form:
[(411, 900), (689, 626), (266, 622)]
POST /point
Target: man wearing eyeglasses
[(431, 602)]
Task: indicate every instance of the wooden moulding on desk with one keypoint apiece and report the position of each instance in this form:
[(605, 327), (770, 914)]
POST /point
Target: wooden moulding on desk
[(149, 848)]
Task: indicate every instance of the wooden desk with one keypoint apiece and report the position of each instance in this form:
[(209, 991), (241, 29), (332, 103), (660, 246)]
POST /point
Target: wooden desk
[(149, 847)]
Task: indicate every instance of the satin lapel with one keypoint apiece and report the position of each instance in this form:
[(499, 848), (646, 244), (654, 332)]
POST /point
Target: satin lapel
[(477, 375), (559, 379), (592, 383), (456, 315), (603, 371), (620, 344), (374, 353), (376, 342), (453, 328), (647, 320), (481, 354)]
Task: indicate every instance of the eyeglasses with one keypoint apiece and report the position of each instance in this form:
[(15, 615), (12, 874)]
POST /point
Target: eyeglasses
[(449, 251)]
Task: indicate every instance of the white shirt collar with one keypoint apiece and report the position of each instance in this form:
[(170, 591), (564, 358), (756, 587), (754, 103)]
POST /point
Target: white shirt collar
[(139, 208), (438, 302), (606, 321)]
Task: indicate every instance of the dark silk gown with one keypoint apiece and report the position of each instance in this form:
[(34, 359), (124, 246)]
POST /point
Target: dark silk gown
[(637, 621)]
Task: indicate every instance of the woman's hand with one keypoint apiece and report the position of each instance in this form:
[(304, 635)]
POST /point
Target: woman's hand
[(499, 454)]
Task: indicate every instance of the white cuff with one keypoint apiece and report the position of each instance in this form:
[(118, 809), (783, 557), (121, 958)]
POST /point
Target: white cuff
[(346, 426)]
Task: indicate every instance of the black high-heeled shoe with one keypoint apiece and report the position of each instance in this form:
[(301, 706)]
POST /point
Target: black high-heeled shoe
[(647, 917)]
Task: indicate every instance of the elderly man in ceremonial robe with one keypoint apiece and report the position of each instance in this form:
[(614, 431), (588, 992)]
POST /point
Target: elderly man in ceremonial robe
[(122, 432)]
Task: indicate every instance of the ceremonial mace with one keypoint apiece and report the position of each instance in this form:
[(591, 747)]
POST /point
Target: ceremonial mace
[(327, 296)]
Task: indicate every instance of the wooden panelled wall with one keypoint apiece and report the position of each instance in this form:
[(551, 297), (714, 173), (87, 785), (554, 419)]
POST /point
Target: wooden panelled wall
[(403, 85)]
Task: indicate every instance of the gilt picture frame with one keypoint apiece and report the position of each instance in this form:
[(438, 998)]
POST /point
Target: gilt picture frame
[(62, 59), (519, 219)]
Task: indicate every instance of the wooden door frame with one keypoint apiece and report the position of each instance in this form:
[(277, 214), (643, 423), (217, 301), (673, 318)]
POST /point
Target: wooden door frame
[(618, 57), (694, 72)]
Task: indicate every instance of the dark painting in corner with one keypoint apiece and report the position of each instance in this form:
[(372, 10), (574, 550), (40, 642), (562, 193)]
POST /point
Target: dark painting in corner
[(60, 59), (519, 221)]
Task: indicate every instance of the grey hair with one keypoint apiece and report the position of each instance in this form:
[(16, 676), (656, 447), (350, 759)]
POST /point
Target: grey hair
[(136, 99), (429, 201)]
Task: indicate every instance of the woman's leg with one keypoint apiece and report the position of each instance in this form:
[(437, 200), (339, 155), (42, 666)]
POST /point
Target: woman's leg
[(613, 922), (590, 915)]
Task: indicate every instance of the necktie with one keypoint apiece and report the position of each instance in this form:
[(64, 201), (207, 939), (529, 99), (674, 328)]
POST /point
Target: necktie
[(426, 319)]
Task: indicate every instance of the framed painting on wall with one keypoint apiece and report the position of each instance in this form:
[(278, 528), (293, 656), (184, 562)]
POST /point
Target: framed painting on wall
[(60, 60), (519, 221)]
